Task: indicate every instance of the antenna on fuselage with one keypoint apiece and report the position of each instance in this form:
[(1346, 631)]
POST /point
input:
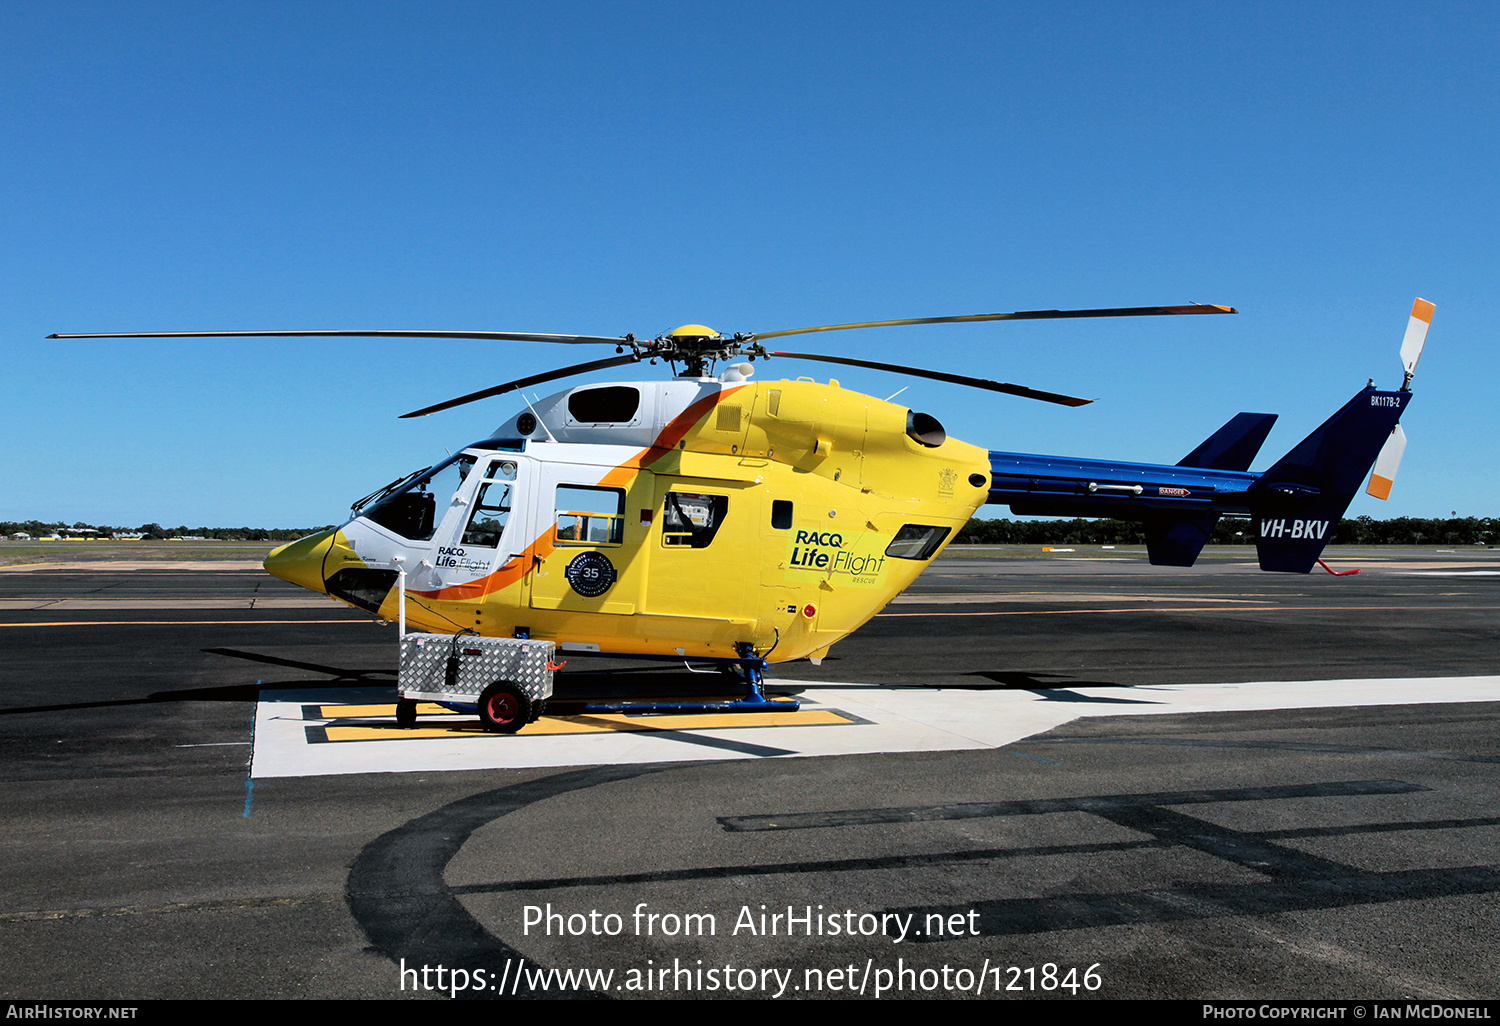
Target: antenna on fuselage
[(540, 422)]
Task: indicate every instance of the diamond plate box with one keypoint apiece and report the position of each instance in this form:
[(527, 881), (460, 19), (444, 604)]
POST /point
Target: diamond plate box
[(480, 663)]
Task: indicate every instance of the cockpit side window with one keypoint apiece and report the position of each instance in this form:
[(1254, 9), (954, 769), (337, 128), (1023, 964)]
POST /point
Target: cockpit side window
[(492, 505), (414, 510)]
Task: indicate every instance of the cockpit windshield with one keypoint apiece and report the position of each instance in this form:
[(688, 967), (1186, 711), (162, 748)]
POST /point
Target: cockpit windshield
[(410, 506)]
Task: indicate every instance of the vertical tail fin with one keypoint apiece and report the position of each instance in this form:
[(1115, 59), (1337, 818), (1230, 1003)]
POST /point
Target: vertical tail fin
[(1298, 502)]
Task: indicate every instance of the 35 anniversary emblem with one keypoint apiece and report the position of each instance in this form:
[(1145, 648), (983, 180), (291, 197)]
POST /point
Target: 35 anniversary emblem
[(591, 574)]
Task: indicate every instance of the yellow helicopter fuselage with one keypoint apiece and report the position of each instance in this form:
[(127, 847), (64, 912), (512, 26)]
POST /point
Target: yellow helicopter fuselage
[(691, 518)]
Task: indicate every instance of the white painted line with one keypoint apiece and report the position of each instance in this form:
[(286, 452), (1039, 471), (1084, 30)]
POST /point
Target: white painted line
[(1054, 597), (116, 604), (901, 719)]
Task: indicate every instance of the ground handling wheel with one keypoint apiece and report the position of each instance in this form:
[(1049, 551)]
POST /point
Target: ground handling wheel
[(504, 708)]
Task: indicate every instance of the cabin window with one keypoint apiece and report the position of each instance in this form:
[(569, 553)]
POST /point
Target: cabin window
[(613, 404), (590, 516), (415, 508), (781, 514), (491, 506), (692, 519), (916, 541)]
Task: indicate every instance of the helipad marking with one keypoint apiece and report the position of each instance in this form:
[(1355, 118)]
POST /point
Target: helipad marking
[(457, 725), (886, 719), (339, 712)]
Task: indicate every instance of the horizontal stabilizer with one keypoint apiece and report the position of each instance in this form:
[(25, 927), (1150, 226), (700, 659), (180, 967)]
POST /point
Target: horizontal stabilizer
[(1234, 445)]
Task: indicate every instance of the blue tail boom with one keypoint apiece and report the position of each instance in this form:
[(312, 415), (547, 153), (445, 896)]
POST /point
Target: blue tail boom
[(1296, 504)]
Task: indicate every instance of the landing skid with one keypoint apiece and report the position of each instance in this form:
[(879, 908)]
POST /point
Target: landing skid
[(749, 667)]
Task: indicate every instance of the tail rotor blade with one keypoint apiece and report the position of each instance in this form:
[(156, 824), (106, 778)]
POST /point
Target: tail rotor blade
[(1416, 338), (1384, 473)]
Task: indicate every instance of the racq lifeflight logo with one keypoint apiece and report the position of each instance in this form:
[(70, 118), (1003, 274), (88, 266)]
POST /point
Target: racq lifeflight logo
[(454, 558), (824, 552)]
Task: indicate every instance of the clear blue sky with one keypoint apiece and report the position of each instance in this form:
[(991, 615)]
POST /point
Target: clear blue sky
[(610, 167)]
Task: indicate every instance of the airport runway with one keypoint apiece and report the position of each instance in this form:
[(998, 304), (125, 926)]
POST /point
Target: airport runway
[(1014, 798)]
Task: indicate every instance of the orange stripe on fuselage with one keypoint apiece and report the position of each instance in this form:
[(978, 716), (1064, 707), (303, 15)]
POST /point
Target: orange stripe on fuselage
[(510, 573), (665, 442), (517, 567)]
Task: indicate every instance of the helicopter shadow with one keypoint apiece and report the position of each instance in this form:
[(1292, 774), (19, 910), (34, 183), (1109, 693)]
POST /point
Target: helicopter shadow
[(648, 683), (229, 693), (603, 683), (1049, 687), (339, 674)]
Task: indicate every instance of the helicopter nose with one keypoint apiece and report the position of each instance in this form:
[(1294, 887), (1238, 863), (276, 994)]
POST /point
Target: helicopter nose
[(301, 561)]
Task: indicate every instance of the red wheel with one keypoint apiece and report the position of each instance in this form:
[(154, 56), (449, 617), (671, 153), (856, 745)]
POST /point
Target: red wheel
[(504, 708)]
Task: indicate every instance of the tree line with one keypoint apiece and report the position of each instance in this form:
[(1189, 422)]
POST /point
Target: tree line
[(1363, 530), (156, 532), (1353, 531)]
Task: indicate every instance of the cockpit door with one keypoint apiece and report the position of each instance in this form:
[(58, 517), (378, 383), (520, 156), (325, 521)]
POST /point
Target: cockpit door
[(486, 526)]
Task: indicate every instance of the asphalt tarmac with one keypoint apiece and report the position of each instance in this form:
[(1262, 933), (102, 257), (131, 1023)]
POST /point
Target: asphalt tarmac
[(1342, 851)]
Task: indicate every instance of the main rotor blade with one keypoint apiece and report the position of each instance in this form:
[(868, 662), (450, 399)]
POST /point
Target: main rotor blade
[(957, 379), (493, 336), (1020, 315), (511, 386)]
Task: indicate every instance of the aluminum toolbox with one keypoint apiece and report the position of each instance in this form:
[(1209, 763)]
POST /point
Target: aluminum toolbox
[(479, 662)]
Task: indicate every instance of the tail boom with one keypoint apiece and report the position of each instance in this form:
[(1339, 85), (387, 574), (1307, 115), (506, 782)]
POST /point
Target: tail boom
[(1296, 504)]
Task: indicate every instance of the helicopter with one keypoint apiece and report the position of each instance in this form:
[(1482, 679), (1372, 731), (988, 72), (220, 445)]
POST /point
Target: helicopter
[(712, 516)]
